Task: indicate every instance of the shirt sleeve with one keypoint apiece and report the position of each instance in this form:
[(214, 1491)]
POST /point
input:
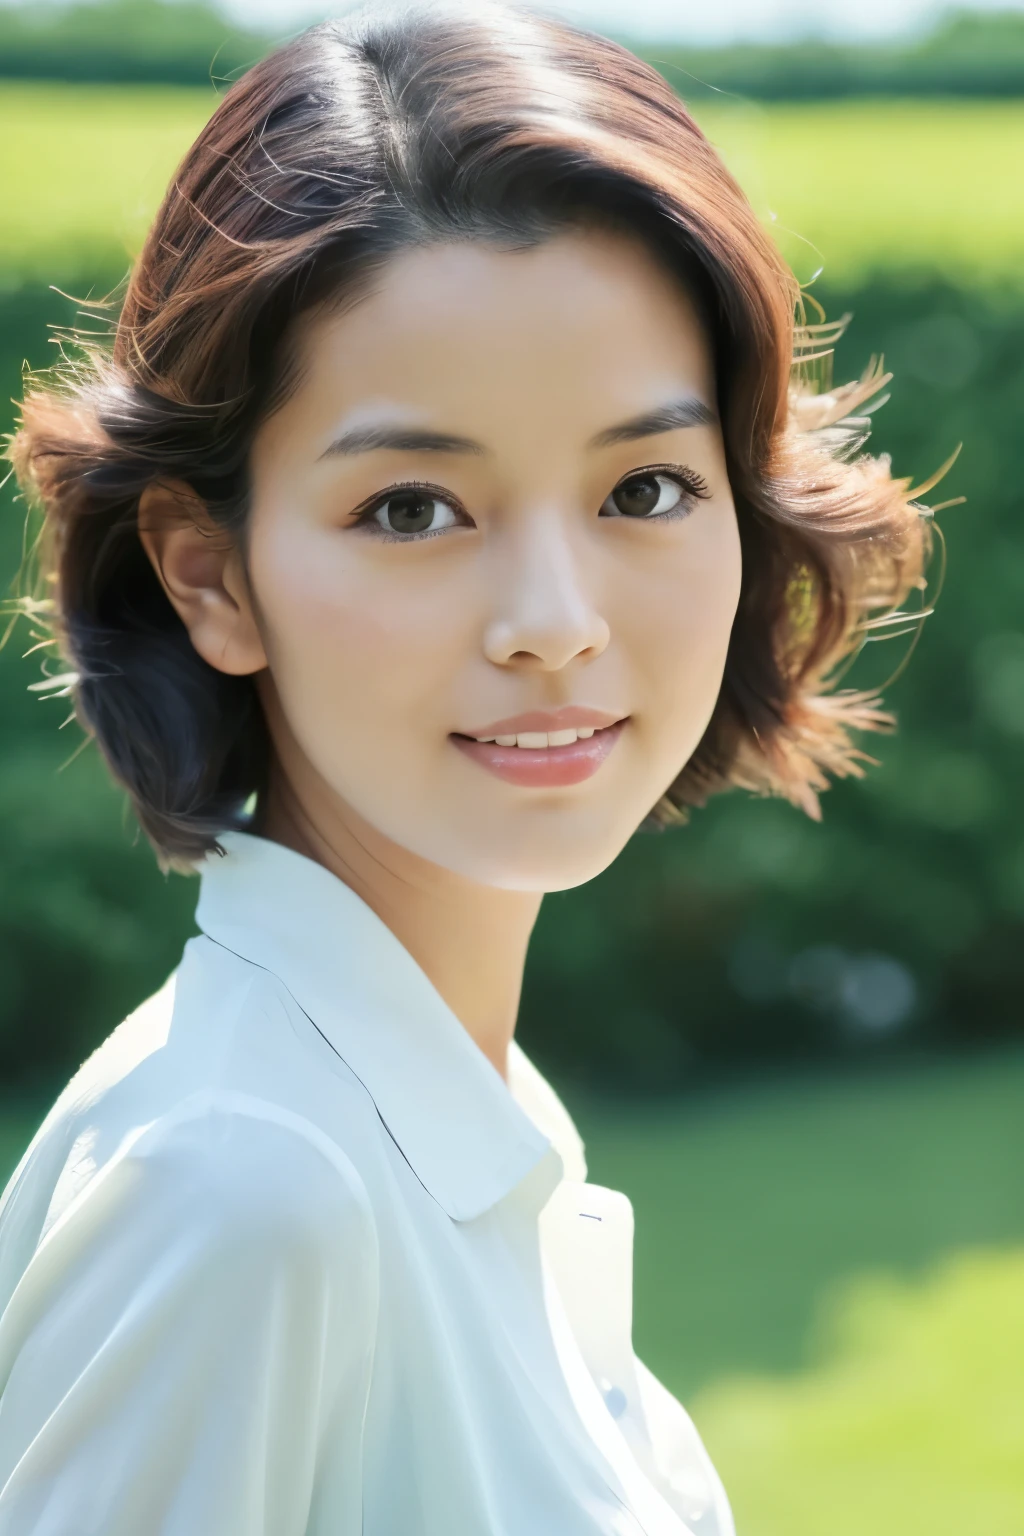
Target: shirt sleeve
[(192, 1340)]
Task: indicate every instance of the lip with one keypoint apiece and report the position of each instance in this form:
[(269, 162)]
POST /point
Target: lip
[(545, 767), (569, 716)]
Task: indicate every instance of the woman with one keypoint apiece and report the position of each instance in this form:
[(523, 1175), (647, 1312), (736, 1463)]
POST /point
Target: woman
[(441, 514)]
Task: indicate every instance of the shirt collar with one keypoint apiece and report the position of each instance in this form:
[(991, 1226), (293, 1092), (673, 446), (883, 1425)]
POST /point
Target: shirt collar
[(456, 1122)]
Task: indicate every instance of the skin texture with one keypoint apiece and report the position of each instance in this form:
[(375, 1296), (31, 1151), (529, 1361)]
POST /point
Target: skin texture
[(372, 648)]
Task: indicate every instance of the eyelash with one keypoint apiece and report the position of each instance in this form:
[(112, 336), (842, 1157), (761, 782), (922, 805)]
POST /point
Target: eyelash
[(693, 484), (689, 481), (363, 517)]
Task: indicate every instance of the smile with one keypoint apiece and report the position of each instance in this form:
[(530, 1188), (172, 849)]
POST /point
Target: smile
[(567, 753), (537, 741)]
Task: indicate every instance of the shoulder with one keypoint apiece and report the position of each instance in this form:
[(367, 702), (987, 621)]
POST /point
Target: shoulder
[(245, 1167), (225, 1180), (222, 1263)]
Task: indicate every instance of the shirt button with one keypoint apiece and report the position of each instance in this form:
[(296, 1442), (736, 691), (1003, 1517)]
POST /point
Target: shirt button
[(614, 1397)]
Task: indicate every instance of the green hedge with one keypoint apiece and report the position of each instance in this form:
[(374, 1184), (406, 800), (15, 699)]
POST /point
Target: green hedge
[(753, 935), (148, 41), (186, 43), (966, 55), (87, 924)]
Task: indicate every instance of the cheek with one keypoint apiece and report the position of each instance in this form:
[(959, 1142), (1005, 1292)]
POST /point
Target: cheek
[(679, 635), (351, 641)]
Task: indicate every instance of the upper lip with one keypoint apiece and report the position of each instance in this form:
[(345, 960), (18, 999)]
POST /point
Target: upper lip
[(565, 718)]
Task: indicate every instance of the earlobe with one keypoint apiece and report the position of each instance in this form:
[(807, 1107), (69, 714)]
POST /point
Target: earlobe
[(200, 568)]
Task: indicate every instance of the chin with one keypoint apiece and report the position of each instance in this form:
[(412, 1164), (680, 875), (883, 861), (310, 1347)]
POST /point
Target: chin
[(549, 865)]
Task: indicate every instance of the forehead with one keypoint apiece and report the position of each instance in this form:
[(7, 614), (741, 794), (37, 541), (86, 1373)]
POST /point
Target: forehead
[(589, 326)]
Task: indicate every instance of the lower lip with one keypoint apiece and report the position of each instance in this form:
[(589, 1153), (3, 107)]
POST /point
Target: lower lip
[(543, 767)]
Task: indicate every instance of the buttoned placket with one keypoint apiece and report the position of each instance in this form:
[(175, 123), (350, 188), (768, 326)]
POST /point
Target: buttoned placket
[(475, 1149), (586, 1234)]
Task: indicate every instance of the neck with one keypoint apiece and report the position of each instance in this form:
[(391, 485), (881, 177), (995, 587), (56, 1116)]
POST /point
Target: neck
[(469, 940)]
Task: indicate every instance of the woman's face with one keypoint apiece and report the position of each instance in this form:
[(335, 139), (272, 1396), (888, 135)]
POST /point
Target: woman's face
[(494, 514)]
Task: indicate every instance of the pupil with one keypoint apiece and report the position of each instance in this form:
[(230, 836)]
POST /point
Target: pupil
[(410, 512), (637, 497)]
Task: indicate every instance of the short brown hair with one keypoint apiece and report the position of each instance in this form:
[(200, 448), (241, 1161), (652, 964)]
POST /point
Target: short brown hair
[(358, 139)]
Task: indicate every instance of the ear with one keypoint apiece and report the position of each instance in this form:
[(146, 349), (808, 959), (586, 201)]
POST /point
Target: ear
[(199, 566)]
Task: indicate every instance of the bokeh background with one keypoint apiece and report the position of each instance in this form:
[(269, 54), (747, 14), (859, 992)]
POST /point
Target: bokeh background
[(798, 1047)]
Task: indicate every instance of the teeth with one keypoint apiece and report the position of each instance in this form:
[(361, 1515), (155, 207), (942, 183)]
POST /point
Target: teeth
[(536, 740)]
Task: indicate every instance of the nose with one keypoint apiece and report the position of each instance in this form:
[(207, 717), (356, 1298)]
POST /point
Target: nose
[(545, 612)]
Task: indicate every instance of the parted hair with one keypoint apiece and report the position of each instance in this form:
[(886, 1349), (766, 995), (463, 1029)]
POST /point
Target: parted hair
[(361, 138)]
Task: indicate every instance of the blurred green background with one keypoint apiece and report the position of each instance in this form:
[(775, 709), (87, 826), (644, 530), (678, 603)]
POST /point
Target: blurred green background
[(798, 1047)]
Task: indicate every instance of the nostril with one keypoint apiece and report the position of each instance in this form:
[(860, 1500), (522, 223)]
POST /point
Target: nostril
[(549, 646)]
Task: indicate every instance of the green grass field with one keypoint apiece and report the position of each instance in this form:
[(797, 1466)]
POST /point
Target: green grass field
[(849, 186), (859, 185), (753, 1205), (83, 170), (831, 1275), (912, 1420)]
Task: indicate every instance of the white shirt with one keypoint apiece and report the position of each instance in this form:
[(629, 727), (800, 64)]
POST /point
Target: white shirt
[(289, 1256)]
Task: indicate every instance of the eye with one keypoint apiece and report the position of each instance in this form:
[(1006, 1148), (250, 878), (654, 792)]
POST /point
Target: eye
[(653, 494), (413, 511)]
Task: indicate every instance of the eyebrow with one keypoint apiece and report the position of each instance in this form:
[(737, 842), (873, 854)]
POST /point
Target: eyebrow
[(687, 412), (403, 439)]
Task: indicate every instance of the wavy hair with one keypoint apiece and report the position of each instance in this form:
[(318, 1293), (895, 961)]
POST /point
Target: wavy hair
[(364, 137)]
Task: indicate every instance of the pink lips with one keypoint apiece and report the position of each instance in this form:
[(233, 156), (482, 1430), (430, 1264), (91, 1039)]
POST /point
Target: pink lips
[(545, 767)]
